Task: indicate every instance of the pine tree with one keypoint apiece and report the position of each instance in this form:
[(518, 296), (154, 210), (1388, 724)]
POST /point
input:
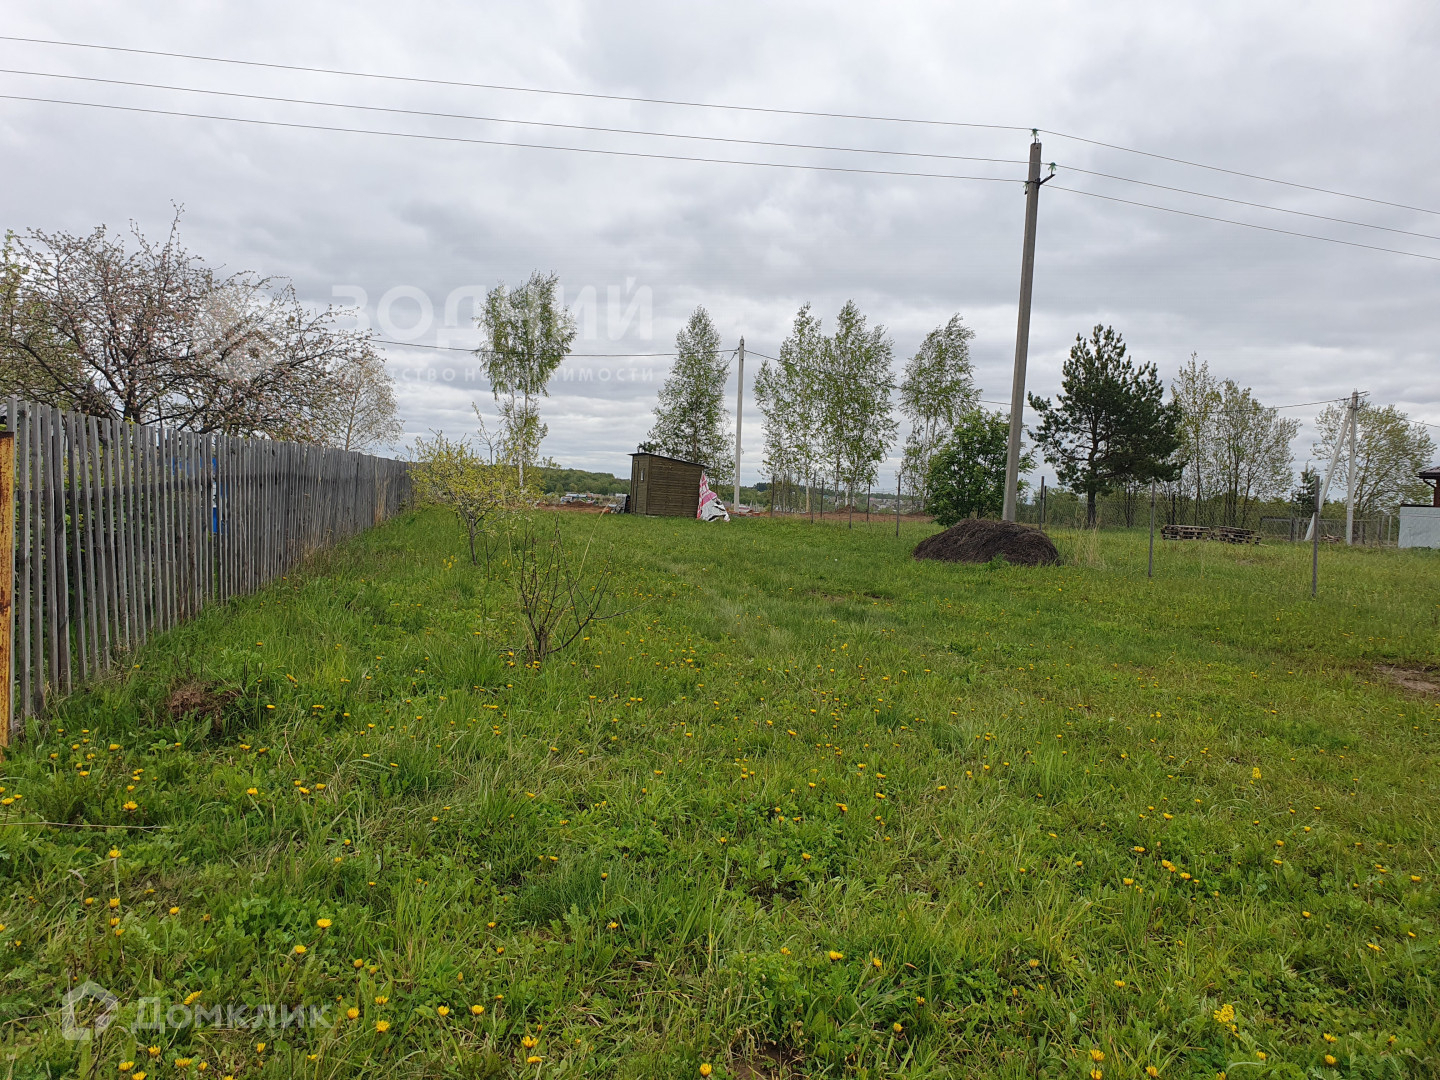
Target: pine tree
[(1110, 423), (690, 417)]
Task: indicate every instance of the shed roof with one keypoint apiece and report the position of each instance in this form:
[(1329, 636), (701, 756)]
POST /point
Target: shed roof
[(1431, 473), (667, 457)]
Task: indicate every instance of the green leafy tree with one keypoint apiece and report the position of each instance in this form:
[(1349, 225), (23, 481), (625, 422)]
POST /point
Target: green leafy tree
[(453, 474), (1197, 394), (858, 380), (1110, 423), (1389, 451), (527, 333), (967, 470), (788, 396), (937, 388), (1250, 451), (690, 417)]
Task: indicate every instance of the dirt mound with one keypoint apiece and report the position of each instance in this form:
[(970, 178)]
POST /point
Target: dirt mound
[(194, 698), (976, 540)]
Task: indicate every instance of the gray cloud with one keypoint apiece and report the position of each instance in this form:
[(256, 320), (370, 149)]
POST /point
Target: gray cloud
[(1328, 94)]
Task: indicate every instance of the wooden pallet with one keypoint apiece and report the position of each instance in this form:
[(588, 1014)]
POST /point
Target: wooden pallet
[(1224, 533)]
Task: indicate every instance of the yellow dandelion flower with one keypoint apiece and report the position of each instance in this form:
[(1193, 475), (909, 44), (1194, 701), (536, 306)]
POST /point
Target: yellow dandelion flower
[(382, 1026), (706, 1068), (836, 955), (442, 1010), (323, 924), (353, 1013), (476, 1010)]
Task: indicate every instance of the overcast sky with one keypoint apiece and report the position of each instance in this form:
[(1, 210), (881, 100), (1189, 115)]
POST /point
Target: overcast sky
[(1333, 95)]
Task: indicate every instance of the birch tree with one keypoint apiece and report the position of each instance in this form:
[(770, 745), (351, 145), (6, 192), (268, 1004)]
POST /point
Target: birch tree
[(526, 334), (937, 388), (1250, 456), (793, 399), (858, 381), (360, 414), (1197, 395), (691, 421)]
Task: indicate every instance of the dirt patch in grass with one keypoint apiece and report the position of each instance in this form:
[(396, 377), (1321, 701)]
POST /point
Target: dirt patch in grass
[(978, 541), (1417, 681), (192, 697)]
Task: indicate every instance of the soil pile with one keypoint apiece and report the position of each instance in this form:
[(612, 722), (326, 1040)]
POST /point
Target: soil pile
[(977, 541)]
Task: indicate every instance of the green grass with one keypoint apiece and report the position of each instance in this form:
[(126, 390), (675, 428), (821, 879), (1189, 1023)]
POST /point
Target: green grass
[(1108, 804)]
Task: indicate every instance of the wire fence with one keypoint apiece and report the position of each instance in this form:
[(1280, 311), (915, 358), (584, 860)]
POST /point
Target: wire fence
[(123, 530)]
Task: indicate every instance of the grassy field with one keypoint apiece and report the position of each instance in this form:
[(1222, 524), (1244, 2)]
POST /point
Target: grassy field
[(809, 808)]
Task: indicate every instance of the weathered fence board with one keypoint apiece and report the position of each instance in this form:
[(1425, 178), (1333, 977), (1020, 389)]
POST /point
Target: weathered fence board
[(123, 530)]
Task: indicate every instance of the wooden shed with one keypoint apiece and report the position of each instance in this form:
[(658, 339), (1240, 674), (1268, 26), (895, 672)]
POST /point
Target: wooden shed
[(663, 486)]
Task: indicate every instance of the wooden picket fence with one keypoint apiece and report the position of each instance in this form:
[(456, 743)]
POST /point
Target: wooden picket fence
[(123, 530)]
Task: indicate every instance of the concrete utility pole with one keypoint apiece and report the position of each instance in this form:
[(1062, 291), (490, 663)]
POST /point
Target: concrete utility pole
[(1022, 335), (1346, 428), (739, 412), (1350, 470)]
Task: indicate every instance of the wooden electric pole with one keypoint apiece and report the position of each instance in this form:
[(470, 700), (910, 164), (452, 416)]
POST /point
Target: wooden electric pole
[(739, 412), (1022, 335)]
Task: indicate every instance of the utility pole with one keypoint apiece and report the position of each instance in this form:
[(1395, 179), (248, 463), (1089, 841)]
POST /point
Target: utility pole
[(1350, 470), (1315, 543), (1346, 428), (1022, 333), (739, 411)]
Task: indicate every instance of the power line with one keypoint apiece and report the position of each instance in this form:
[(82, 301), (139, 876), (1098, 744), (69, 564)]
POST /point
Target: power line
[(509, 120), (1301, 405), (1237, 172), (636, 99), (295, 125), (1245, 224), (514, 89), (692, 137), (1244, 202)]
